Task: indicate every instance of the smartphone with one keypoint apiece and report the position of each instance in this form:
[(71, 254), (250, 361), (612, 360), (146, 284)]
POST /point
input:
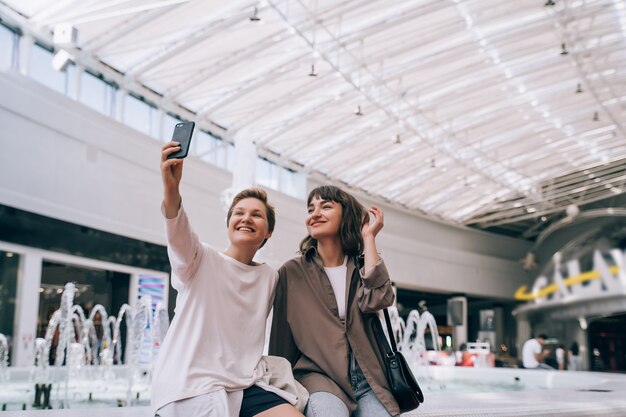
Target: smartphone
[(182, 134)]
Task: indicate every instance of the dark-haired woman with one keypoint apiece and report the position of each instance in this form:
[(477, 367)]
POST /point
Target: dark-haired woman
[(325, 299)]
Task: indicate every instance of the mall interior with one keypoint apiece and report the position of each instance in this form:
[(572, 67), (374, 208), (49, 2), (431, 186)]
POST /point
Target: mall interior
[(492, 135)]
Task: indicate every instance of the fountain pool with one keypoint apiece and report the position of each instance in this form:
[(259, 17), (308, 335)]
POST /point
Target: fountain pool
[(449, 391), (90, 374)]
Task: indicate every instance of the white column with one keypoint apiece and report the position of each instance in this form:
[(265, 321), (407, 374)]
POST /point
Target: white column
[(25, 45), (120, 101), (26, 309), (159, 132), (244, 174), (459, 330), (581, 337), (74, 83), (524, 332), (133, 289)]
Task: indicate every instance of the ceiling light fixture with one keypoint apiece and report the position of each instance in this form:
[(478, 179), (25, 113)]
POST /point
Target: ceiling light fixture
[(358, 111), (64, 34), (312, 73), (596, 116), (433, 163), (579, 89), (564, 49), (61, 60), (398, 141), (255, 16), (549, 3), (571, 212)]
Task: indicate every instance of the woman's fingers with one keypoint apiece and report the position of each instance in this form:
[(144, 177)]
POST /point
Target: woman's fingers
[(169, 148), (170, 144), (376, 212), (171, 169), (169, 163), (378, 219)]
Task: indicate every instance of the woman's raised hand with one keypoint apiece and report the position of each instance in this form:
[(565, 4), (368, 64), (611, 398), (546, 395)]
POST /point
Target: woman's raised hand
[(371, 228), (171, 169), (171, 173)]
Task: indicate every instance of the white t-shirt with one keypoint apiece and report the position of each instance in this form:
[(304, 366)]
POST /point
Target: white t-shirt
[(560, 356), (337, 277), (217, 337), (530, 348)]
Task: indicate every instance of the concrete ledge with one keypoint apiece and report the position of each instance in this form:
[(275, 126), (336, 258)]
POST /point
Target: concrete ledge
[(568, 394)]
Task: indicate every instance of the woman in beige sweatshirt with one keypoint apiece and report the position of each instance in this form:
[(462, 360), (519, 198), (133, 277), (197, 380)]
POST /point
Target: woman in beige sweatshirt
[(325, 304), (211, 363)]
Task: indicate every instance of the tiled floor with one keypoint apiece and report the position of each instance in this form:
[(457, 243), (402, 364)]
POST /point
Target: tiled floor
[(548, 403), (605, 399)]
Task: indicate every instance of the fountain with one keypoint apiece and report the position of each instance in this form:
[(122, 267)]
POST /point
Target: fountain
[(161, 324), (410, 338), (410, 335), (4, 359), (97, 347), (40, 375), (81, 361)]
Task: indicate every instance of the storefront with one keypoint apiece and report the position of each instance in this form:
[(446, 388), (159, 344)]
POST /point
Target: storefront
[(585, 302), (39, 255)]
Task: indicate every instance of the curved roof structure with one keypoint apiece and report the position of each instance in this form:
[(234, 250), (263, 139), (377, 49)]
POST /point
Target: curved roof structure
[(477, 112)]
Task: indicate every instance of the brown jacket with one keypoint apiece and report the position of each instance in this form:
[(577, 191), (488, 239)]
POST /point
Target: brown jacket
[(306, 328)]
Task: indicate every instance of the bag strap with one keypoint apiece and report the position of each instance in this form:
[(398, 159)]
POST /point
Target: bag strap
[(359, 262), (392, 337)]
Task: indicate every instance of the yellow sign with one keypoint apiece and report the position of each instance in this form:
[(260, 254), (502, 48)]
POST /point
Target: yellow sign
[(522, 295)]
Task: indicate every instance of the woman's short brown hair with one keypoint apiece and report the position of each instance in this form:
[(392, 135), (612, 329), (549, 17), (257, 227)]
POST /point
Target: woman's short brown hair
[(260, 195), (353, 216)]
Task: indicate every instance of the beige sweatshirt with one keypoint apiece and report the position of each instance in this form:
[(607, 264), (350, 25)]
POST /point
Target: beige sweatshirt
[(216, 339)]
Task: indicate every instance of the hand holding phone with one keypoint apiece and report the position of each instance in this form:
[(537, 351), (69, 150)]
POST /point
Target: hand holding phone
[(182, 134), (171, 174)]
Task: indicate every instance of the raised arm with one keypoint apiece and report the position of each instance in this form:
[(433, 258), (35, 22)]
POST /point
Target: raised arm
[(369, 230), (183, 246), (376, 291), (171, 174)]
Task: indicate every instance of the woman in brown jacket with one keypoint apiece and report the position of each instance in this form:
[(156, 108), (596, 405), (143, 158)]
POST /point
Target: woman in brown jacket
[(325, 302)]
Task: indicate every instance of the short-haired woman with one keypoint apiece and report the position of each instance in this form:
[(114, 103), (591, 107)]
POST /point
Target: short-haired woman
[(210, 363)]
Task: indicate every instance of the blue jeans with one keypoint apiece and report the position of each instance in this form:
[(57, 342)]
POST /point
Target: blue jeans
[(325, 404)]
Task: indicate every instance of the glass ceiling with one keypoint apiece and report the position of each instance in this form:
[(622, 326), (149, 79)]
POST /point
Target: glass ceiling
[(478, 112)]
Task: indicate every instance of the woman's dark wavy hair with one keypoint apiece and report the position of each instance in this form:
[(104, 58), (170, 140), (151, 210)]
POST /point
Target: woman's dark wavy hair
[(353, 215)]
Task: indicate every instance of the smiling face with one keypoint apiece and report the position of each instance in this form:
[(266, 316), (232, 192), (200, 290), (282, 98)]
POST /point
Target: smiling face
[(334, 213), (248, 223), (324, 218)]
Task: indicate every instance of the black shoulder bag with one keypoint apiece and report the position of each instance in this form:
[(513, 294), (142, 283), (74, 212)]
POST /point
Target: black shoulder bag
[(402, 383)]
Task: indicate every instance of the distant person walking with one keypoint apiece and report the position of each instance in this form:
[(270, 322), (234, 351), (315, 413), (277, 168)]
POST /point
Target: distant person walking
[(575, 363), (560, 357), (533, 353)]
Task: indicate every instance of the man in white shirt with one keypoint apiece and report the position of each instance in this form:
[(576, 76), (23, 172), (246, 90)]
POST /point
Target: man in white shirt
[(533, 353)]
